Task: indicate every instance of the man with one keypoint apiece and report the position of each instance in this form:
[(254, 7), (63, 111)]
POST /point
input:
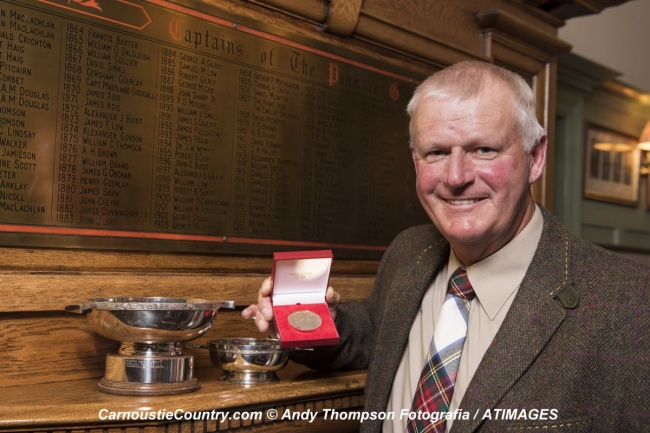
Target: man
[(558, 332)]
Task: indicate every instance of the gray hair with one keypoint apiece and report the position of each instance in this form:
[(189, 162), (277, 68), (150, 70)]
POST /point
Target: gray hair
[(466, 79)]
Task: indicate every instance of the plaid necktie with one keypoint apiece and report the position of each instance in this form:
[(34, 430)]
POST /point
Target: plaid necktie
[(436, 384)]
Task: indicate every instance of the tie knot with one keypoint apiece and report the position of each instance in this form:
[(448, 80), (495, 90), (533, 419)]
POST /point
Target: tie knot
[(460, 286)]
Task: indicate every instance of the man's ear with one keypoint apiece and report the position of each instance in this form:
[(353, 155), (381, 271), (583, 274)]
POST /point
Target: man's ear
[(415, 159), (538, 160)]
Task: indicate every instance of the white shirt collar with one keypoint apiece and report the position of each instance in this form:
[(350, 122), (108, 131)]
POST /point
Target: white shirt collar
[(496, 278)]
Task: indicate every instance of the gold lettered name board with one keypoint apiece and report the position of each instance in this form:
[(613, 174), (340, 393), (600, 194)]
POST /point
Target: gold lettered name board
[(138, 124)]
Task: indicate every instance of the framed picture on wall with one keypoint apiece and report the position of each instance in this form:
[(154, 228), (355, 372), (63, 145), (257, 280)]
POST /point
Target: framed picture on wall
[(611, 166)]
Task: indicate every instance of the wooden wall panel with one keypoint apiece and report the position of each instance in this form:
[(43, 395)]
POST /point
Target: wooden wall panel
[(43, 343), (60, 347)]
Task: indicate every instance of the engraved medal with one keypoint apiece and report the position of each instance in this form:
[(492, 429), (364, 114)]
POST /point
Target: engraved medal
[(304, 320)]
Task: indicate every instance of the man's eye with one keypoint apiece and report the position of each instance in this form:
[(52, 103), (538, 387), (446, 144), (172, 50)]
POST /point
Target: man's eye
[(485, 152)]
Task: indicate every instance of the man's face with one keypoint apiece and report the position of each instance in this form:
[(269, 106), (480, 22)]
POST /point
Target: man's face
[(472, 174)]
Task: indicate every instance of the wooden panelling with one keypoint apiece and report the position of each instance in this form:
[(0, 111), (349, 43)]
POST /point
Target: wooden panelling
[(44, 260), (39, 284), (450, 23), (53, 292), (312, 10), (406, 43), (528, 48), (59, 347), (49, 280)]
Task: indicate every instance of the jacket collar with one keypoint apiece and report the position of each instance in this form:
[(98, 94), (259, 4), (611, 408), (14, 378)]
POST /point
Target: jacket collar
[(413, 266), (533, 319)]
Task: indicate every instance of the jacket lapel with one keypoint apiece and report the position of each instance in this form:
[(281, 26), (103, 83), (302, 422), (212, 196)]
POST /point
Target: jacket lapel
[(531, 322), (403, 297)]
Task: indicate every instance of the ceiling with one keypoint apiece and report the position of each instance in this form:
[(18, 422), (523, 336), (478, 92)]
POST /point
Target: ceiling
[(617, 38)]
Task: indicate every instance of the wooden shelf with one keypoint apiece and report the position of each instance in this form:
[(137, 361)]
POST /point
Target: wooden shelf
[(79, 406)]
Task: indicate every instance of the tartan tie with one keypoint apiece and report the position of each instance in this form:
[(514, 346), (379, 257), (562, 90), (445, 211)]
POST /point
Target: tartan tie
[(436, 384)]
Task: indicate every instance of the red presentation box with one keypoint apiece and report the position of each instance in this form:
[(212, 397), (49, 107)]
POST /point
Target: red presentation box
[(301, 315)]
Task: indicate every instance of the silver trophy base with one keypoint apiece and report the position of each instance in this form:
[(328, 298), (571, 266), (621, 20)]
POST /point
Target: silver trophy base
[(148, 389), (250, 378), (141, 370)]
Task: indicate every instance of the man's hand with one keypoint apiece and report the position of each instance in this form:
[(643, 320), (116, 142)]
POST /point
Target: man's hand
[(263, 313)]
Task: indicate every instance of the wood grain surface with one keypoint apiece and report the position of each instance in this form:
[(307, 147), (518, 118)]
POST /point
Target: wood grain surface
[(77, 405)]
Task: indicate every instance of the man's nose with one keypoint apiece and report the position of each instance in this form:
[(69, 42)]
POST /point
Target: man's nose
[(459, 169)]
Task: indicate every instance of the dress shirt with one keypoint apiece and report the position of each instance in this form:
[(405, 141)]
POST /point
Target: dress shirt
[(495, 280)]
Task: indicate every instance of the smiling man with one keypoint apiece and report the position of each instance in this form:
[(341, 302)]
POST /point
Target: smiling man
[(473, 167), (493, 318)]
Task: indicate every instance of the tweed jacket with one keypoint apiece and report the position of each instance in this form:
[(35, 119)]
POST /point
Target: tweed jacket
[(572, 355)]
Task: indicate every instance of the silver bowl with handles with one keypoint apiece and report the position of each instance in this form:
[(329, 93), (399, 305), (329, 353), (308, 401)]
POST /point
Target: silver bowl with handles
[(151, 330), (248, 361), (151, 319)]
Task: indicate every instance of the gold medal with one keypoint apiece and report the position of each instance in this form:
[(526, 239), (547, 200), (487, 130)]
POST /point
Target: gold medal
[(304, 320)]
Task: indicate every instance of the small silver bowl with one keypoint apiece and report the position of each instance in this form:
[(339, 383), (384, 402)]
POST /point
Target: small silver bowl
[(248, 361)]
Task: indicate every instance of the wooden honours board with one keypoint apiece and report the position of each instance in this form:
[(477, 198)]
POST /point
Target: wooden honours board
[(151, 125)]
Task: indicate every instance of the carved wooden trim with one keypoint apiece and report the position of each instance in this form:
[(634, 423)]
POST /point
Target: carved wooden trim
[(577, 77), (621, 89), (573, 8), (343, 16), (499, 21), (551, 11), (388, 36), (312, 10), (545, 91)]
